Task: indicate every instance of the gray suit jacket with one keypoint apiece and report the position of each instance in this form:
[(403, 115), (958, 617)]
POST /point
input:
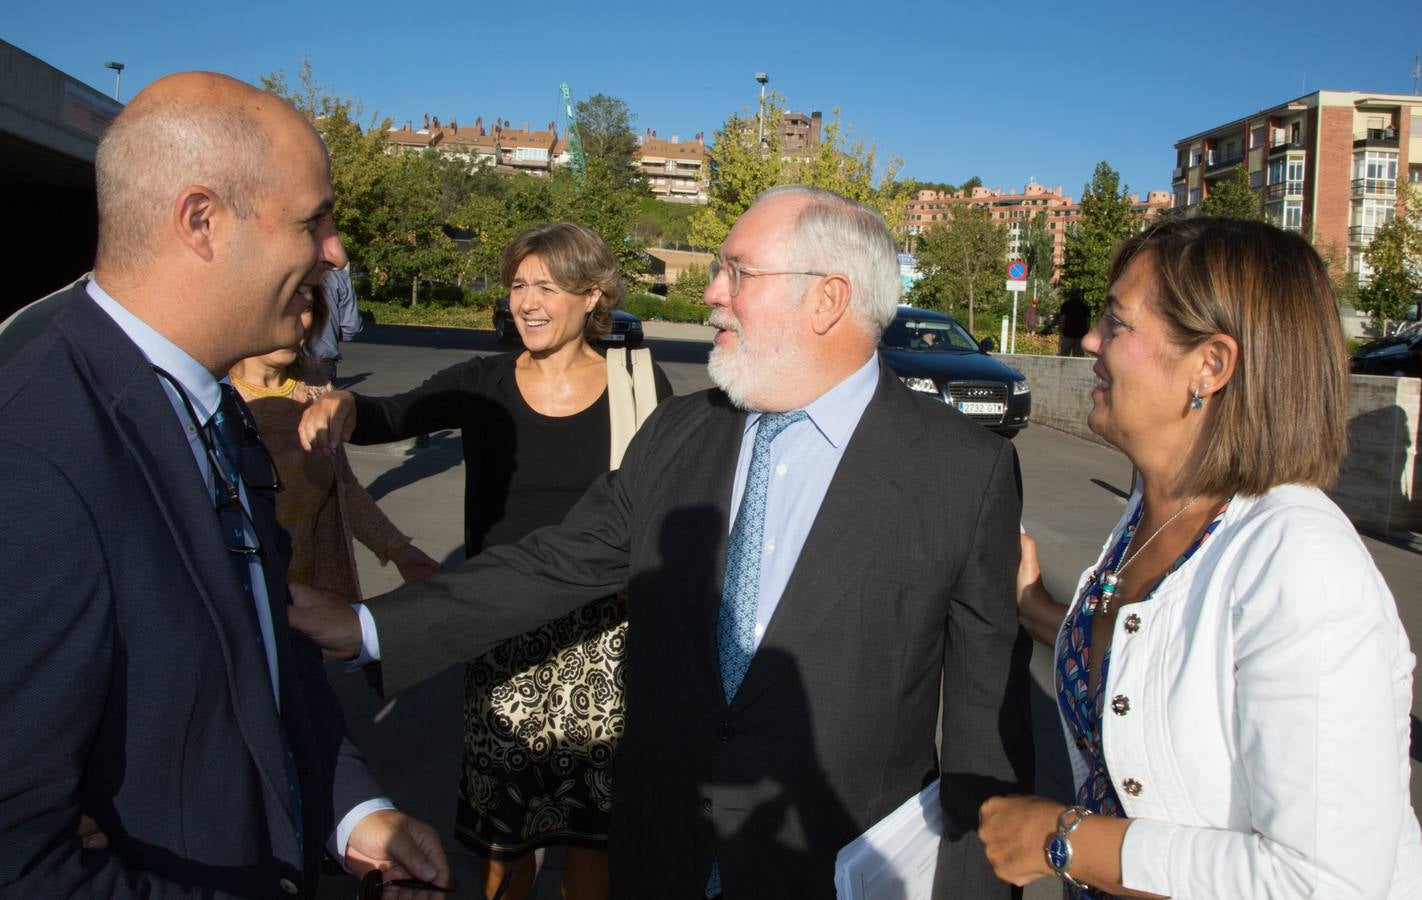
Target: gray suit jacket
[(907, 575)]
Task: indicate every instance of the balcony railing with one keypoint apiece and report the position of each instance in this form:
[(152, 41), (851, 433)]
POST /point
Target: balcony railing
[(1282, 189), (1282, 144), (1376, 137), (1377, 187), (1361, 234), (1215, 162), (1177, 174)]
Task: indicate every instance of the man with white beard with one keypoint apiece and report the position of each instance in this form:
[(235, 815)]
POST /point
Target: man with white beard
[(815, 557)]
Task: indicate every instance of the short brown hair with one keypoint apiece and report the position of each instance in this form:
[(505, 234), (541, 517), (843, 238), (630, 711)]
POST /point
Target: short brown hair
[(579, 261), (1282, 417)]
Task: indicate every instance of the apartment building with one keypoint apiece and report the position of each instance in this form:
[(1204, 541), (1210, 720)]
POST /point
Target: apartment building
[(1327, 165), (800, 132), (1012, 210), (501, 145), (675, 170)]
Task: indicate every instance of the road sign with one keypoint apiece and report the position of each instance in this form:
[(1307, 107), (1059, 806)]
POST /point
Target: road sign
[(1017, 270), (1017, 286)]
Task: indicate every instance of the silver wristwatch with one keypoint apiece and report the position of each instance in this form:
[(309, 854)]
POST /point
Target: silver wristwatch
[(1058, 846)]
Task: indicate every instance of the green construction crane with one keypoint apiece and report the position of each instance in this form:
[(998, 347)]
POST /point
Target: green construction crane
[(576, 159)]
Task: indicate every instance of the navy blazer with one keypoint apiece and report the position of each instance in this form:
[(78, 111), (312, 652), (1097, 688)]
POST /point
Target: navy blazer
[(136, 687)]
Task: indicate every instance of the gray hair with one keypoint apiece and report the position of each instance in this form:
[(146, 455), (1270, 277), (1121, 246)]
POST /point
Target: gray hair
[(152, 152), (836, 234)]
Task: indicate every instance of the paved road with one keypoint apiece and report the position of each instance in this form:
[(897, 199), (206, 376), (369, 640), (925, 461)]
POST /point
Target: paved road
[(1074, 491)]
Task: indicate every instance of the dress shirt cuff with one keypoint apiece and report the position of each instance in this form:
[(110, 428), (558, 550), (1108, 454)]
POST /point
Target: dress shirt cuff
[(369, 640), (1146, 856), (342, 835)]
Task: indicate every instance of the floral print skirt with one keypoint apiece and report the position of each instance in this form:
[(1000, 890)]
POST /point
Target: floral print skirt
[(542, 716)]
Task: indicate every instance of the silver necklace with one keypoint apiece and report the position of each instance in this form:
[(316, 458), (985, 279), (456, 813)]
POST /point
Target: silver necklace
[(1112, 578)]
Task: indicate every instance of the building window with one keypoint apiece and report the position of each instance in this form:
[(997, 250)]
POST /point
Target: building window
[(1194, 156), (533, 154), (1194, 196), (1293, 215), (1256, 179), (1375, 171), (1368, 217), (1256, 137)]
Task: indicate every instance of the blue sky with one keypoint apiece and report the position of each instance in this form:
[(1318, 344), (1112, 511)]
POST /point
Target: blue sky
[(1004, 91)]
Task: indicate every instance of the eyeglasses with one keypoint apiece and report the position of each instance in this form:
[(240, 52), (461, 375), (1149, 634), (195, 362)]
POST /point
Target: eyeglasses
[(372, 886), (735, 272), (255, 467)]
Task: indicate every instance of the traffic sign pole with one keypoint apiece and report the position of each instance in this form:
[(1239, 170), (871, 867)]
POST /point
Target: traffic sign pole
[(1016, 284)]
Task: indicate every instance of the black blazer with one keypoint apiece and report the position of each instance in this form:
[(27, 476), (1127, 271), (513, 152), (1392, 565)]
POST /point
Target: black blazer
[(905, 583), (136, 689)]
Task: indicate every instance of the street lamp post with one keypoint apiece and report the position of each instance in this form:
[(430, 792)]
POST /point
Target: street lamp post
[(761, 78), (118, 71)]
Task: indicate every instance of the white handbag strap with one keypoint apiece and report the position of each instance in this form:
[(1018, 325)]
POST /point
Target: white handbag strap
[(621, 405), (630, 397), (644, 384)]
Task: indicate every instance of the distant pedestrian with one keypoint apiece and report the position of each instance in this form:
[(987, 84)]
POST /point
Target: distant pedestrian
[(1073, 322), (342, 324)]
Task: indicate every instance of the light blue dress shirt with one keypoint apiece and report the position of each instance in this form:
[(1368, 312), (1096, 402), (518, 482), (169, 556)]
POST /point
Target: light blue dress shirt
[(803, 460), (204, 394)]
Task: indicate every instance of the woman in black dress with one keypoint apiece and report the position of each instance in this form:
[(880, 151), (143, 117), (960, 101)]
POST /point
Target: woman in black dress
[(543, 712)]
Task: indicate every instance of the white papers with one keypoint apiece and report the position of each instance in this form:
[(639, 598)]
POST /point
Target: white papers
[(896, 858)]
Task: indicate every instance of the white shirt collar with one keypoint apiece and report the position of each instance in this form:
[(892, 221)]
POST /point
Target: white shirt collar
[(197, 382), (837, 412)]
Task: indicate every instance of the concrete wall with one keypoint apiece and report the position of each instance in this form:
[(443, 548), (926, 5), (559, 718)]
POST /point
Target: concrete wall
[(1380, 484)]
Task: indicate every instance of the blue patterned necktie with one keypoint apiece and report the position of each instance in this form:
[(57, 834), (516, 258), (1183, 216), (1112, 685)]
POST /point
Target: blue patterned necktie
[(740, 595), (228, 433)]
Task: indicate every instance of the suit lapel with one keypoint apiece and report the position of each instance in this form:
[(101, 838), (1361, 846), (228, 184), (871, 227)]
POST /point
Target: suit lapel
[(145, 421), (862, 497)]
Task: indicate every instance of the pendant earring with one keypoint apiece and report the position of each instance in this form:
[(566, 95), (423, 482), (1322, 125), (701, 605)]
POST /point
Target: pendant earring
[(1196, 401)]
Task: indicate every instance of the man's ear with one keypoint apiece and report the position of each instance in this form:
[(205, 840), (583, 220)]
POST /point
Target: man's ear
[(831, 302), (194, 212)]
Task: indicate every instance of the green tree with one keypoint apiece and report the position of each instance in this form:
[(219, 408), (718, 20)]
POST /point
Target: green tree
[(1037, 251), (661, 223), (1395, 257), (691, 286), (1234, 197), (390, 209), (741, 167), (605, 126), (1105, 221), (961, 262)]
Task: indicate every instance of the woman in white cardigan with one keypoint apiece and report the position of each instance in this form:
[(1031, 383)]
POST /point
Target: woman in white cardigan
[(1232, 676)]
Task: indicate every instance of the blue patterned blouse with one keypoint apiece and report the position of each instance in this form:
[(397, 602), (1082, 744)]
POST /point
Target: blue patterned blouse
[(1081, 707)]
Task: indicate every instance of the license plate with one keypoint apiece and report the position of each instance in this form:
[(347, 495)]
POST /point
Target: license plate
[(614, 337), (982, 409)]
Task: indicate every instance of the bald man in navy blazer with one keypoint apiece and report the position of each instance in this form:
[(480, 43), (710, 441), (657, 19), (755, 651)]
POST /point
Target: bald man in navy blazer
[(151, 684)]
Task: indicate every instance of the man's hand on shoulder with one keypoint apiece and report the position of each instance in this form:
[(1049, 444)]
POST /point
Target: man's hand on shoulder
[(328, 423), (398, 845), (326, 620)]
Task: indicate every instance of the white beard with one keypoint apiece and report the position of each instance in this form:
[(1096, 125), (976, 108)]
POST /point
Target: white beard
[(756, 368)]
